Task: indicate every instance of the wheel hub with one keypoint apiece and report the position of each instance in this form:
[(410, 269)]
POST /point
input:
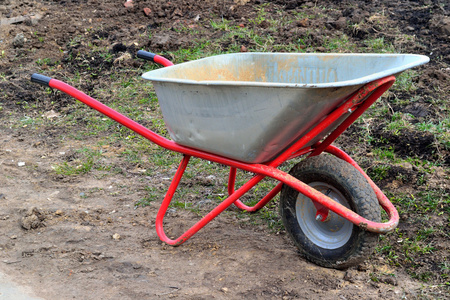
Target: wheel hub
[(322, 226)]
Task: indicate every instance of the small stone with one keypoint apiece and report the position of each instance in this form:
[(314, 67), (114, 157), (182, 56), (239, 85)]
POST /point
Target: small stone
[(147, 11), (224, 289), (19, 40), (21, 163), (128, 4), (116, 236), (50, 114)]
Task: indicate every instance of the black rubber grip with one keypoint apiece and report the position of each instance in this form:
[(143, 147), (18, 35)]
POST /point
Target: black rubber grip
[(41, 79), (146, 55)]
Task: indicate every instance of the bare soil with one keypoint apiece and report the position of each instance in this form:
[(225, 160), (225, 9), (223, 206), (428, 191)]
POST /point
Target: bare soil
[(83, 237)]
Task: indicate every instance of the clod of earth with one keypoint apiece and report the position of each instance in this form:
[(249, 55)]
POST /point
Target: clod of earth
[(33, 219), (19, 40)]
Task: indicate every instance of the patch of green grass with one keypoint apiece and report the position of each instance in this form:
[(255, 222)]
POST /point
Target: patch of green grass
[(44, 61), (385, 153), (379, 45), (199, 50), (237, 37), (130, 96), (405, 82), (107, 56), (405, 248), (82, 165), (132, 156), (433, 201), (414, 246), (399, 121), (270, 215), (445, 268), (262, 16), (388, 251), (424, 233), (428, 201), (233, 37), (27, 121), (441, 130), (181, 204), (378, 172), (153, 194), (424, 276), (300, 15), (164, 159), (267, 216), (339, 44), (223, 25)]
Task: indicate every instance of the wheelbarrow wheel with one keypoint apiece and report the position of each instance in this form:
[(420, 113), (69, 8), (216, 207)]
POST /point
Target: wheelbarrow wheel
[(335, 242)]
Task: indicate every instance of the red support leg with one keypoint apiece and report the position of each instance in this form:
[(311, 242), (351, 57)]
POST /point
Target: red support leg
[(212, 214)]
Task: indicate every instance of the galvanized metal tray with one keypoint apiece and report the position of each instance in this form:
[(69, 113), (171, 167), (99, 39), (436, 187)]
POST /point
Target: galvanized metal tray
[(251, 106)]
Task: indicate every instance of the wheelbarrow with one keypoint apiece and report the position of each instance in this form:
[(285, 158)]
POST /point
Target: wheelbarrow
[(255, 111)]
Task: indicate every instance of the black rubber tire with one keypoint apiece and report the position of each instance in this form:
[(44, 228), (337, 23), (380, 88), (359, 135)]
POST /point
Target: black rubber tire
[(346, 181)]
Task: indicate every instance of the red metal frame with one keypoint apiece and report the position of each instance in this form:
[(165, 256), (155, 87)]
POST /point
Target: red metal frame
[(356, 105)]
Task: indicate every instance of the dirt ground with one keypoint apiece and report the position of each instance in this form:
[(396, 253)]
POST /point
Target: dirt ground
[(83, 237)]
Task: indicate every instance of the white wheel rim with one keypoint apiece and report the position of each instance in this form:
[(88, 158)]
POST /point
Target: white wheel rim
[(331, 234)]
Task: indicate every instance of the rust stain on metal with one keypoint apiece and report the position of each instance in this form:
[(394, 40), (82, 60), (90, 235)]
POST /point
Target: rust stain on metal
[(289, 71), (218, 74), (328, 57)]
